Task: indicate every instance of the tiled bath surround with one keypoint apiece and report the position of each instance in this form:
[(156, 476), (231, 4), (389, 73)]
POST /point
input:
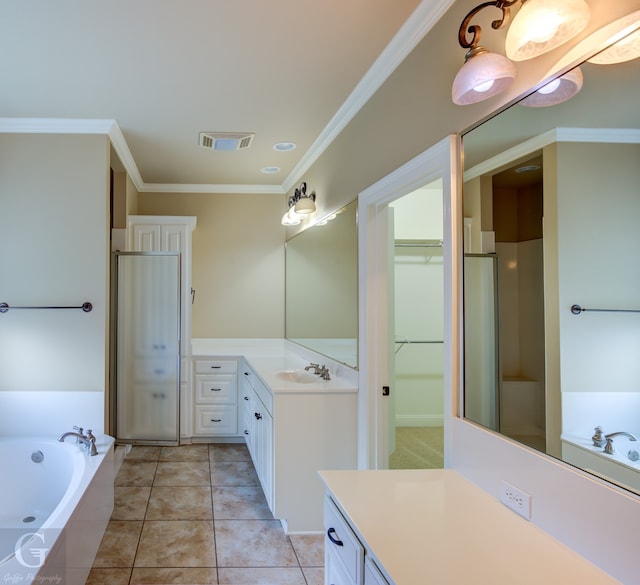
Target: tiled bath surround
[(196, 514)]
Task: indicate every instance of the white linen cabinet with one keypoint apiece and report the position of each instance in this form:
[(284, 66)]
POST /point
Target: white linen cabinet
[(159, 233)]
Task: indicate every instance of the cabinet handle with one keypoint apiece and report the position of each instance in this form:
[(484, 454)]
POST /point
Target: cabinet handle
[(215, 367), (215, 389), (216, 420), (246, 373), (246, 398), (246, 432), (335, 541), (257, 415)]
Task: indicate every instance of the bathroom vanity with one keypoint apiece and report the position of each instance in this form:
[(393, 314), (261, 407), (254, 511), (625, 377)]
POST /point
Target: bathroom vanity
[(411, 527), (293, 422)]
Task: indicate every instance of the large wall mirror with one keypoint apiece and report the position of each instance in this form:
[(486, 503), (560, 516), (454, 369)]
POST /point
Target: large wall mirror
[(321, 287), (551, 207)]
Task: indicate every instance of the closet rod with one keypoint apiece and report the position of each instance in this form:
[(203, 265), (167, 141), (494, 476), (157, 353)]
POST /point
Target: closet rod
[(86, 307), (577, 309)]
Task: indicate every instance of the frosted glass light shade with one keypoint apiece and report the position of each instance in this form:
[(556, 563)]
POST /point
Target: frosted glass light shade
[(291, 218), (542, 25), (627, 48), (481, 77), (557, 91), (305, 205)]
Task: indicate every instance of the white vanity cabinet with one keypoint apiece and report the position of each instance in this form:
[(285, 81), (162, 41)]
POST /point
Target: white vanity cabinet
[(258, 429), (215, 400), (346, 560), (291, 435)]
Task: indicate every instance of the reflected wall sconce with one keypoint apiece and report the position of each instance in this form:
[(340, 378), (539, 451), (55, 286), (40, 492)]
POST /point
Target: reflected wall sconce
[(301, 205), (539, 27), (556, 91)]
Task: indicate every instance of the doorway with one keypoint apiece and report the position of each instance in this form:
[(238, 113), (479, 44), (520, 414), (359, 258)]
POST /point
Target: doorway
[(385, 381)]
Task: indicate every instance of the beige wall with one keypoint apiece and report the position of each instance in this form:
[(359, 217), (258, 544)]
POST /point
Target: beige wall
[(54, 235), (238, 261)]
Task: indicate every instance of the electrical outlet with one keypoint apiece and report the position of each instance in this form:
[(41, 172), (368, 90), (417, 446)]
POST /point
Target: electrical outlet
[(517, 500)]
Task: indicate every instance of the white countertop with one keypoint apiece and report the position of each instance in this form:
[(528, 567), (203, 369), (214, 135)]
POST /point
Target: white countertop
[(434, 526), (269, 358)]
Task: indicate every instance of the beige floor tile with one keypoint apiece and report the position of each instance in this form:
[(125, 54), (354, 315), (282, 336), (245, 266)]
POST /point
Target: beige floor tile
[(108, 577), (185, 453), (182, 473), (240, 503), (309, 549), (314, 575), (130, 503), (118, 546), (261, 576), (229, 452), (176, 543), (253, 543), (174, 576), (144, 453), (136, 473), (180, 503), (233, 473)]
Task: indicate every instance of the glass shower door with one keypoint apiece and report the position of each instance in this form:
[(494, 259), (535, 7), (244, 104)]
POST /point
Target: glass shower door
[(147, 369)]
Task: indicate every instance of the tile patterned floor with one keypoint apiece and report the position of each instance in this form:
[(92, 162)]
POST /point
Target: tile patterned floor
[(196, 514)]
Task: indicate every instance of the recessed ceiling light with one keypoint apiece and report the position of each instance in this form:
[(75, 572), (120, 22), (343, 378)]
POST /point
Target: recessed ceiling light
[(270, 170), (284, 146), (527, 169)]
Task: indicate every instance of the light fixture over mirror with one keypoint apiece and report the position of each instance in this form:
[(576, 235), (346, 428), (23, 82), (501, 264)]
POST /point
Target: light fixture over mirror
[(301, 205), (539, 27), (542, 25)]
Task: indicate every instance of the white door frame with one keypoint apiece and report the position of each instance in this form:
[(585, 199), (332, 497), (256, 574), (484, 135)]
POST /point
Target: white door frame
[(438, 162)]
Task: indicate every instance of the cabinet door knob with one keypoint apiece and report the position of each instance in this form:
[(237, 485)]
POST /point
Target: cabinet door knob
[(335, 541), (257, 415)]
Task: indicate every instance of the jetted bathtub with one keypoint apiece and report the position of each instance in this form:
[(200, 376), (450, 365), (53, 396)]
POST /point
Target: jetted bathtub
[(55, 503)]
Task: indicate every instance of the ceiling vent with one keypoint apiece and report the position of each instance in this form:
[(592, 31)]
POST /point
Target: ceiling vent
[(225, 140)]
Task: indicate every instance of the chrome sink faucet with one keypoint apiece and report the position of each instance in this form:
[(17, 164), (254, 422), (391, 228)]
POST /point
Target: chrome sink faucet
[(319, 370), (314, 367), (608, 448), (87, 439)]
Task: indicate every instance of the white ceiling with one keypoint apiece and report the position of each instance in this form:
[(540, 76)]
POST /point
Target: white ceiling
[(165, 70)]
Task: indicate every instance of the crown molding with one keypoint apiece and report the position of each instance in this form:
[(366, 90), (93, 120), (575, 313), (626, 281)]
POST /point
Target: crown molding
[(211, 188), (419, 23), (595, 135)]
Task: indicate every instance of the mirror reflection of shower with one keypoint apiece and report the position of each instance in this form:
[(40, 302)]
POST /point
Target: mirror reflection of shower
[(417, 407)]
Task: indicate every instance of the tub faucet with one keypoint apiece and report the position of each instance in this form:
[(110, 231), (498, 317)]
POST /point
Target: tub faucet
[(608, 448), (87, 439), (324, 373), (315, 367)]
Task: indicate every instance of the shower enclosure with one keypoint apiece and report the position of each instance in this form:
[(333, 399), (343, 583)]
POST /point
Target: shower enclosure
[(146, 347)]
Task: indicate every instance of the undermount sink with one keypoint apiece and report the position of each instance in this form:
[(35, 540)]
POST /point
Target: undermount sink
[(299, 376)]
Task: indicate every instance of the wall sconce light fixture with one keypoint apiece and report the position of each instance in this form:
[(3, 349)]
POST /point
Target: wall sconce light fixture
[(301, 205), (483, 74), (539, 27)]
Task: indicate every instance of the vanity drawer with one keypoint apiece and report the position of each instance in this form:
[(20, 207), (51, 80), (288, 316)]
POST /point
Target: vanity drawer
[(217, 420), (215, 389), (216, 366), (342, 543)]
